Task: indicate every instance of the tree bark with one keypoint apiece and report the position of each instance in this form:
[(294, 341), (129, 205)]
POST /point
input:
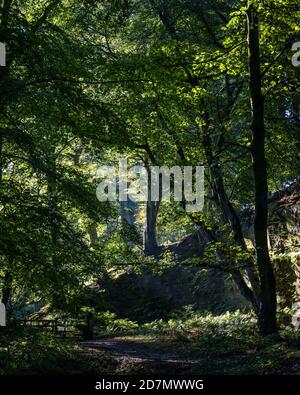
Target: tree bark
[(267, 311), (152, 210), (150, 240)]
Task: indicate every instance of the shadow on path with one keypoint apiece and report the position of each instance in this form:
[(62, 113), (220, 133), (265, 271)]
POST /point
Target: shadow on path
[(137, 350)]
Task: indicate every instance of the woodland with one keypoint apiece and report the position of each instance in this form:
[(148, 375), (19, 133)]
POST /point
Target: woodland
[(125, 287)]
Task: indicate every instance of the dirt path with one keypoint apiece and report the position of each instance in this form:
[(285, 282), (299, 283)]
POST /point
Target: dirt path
[(142, 354), (140, 350)]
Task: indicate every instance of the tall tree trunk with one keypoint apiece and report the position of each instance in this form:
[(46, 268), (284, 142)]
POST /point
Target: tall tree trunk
[(267, 311), (152, 210), (245, 290), (150, 240)]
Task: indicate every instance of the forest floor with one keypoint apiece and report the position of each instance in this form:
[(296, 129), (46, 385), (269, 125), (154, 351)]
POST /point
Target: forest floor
[(144, 354), (196, 344)]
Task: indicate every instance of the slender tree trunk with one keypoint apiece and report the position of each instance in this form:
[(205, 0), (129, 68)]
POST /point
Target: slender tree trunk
[(231, 218), (245, 290), (267, 311)]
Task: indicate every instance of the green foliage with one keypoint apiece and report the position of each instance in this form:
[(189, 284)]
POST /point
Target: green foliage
[(25, 351), (286, 280), (221, 344), (111, 325), (88, 81)]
